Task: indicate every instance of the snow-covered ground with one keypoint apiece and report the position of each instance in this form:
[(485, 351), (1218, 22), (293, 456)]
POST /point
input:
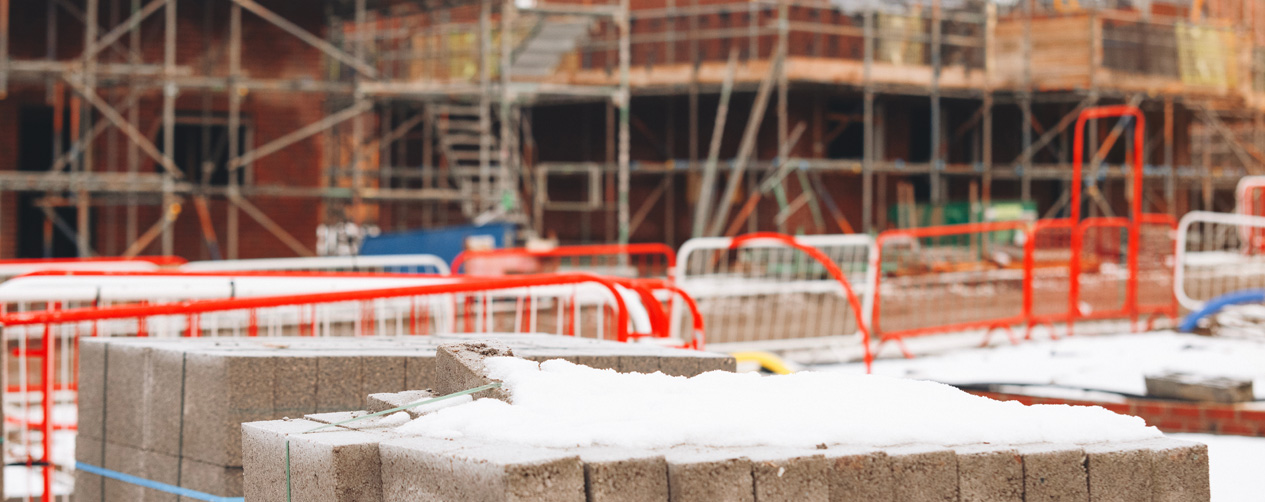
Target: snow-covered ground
[(1235, 464), (1108, 363)]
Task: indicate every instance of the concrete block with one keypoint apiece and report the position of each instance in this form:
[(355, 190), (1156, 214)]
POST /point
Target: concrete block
[(1054, 471), (231, 389), (125, 394), (92, 385), (789, 476), (1119, 472), (417, 371), (209, 478), (294, 394), (427, 469), (924, 473), (1180, 470), (264, 457), (163, 469), (390, 400), (339, 383), (127, 460), (1199, 388), (89, 487), (383, 374), (988, 473), (601, 361), (701, 475), (615, 475), (460, 367), (638, 364), (335, 465), (859, 475), (165, 384), (680, 365), (719, 362)]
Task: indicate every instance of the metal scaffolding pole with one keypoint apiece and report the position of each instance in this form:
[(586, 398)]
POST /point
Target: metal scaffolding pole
[(625, 99), (83, 228), (867, 142), (937, 161), (232, 240), (169, 118)]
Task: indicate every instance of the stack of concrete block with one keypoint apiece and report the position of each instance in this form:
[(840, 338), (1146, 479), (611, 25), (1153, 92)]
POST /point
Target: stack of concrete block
[(376, 463), (170, 410), (370, 460)]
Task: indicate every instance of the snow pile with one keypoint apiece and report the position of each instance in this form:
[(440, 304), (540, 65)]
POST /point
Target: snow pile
[(1114, 363), (560, 404)]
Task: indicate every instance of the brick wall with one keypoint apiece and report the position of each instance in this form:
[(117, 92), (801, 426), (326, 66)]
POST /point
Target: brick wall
[(268, 53), (1245, 419)]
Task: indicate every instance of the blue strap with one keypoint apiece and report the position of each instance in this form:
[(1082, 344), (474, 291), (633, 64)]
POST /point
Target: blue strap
[(127, 478), (1216, 304)]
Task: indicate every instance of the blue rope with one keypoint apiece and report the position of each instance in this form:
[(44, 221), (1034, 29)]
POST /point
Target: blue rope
[(164, 487)]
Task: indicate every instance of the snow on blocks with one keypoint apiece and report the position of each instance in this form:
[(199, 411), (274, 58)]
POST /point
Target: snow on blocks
[(571, 433), (171, 410)]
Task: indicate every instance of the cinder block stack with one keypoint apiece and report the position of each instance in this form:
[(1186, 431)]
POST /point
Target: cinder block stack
[(370, 460), (170, 410)]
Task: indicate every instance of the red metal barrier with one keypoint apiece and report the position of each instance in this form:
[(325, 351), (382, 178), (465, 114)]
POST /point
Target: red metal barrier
[(1135, 223), (832, 269), (648, 260)]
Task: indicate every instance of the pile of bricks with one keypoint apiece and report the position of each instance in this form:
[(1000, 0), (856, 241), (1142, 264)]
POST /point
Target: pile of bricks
[(170, 410), (371, 460)]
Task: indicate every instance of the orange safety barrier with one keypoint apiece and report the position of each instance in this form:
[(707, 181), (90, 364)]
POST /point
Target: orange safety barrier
[(645, 260), (971, 264)]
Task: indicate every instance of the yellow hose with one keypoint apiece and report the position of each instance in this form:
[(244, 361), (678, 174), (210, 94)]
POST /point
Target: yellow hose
[(766, 360)]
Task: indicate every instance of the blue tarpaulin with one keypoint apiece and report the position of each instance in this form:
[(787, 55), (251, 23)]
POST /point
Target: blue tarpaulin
[(445, 242)]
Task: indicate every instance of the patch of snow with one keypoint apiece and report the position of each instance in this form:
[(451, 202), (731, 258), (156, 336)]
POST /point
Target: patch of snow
[(560, 404), (1234, 464), (1111, 363)]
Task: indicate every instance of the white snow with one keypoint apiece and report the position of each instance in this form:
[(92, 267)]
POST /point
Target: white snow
[(560, 404), (1235, 464), (1112, 363)]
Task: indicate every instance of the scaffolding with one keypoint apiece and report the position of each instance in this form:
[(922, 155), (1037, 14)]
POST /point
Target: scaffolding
[(381, 82), (429, 111)]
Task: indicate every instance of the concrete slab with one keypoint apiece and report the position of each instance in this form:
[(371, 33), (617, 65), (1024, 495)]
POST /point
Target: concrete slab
[(206, 408), (700, 475), (989, 473), (859, 474), (1120, 472), (924, 473), (1053, 471), (616, 475), (1180, 470), (413, 467), (460, 367), (781, 475)]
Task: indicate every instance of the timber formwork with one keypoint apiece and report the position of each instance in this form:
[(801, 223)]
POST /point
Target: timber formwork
[(638, 119)]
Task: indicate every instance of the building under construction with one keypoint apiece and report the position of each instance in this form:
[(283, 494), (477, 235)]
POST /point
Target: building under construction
[(237, 128)]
